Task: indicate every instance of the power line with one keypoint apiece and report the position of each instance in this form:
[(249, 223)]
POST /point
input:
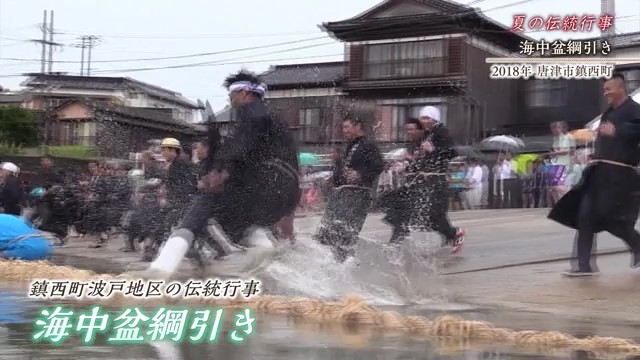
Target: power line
[(196, 36), (187, 55), (208, 63), (228, 63), (250, 48), (213, 63)]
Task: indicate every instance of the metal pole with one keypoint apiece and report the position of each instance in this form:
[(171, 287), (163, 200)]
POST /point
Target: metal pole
[(51, 43), (89, 57), (83, 46), (44, 42)]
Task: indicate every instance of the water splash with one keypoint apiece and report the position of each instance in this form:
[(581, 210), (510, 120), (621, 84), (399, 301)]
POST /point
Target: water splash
[(383, 274)]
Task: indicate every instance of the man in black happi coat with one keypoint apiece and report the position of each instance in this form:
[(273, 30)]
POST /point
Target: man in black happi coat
[(348, 205), (606, 199), (252, 179)]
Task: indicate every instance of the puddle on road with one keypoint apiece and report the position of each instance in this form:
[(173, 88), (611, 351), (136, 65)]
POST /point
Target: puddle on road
[(287, 339), (284, 338)]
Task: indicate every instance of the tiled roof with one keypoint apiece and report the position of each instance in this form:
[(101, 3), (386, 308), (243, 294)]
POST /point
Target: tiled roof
[(621, 40), (224, 115), (152, 115), (11, 98), (316, 74), (107, 83), (443, 6)]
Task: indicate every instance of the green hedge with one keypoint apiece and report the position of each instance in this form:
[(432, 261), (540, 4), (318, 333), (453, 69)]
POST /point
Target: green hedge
[(82, 152)]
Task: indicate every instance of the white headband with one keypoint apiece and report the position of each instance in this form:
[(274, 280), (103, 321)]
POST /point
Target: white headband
[(260, 89)]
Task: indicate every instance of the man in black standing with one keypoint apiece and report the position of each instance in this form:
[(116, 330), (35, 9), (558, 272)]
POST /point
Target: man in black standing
[(348, 206), (606, 199)]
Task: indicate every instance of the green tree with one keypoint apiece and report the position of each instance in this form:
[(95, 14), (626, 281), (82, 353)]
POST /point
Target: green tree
[(18, 128)]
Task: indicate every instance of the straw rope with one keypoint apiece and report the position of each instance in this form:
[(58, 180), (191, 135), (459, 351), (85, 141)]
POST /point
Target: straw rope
[(351, 311)]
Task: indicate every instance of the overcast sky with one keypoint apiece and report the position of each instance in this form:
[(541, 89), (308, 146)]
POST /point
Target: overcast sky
[(143, 29)]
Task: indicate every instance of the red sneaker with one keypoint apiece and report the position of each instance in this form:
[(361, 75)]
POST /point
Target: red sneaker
[(458, 242)]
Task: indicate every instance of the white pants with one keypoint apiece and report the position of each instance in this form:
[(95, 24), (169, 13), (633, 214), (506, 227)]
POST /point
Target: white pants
[(474, 197)]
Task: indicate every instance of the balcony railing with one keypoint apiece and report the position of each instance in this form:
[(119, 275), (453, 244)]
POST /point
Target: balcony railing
[(405, 69)]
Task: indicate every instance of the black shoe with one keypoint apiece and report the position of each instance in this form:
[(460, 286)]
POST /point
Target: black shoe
[(580, 273)]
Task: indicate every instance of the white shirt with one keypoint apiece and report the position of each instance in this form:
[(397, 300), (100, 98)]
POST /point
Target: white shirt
[(505, 170), (485, 173), (563, 142), (474, 175)]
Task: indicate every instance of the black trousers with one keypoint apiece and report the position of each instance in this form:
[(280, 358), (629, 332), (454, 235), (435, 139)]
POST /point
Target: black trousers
[(438, 216), (270, 194), (536, 194), (508, 196), (343, 220), (585, 238)]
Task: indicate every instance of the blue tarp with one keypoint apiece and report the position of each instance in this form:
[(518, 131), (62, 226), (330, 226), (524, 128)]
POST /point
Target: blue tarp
[(20, 240)]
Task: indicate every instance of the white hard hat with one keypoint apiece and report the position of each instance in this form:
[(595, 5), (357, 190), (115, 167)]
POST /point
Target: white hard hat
[(11, 167)]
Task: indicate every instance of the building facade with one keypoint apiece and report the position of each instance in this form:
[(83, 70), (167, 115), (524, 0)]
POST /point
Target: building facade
[(48, 91), (405, 54), (309, 98), (113, 131)]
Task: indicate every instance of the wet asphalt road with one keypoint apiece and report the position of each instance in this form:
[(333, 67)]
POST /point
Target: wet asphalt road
[(495, 238)]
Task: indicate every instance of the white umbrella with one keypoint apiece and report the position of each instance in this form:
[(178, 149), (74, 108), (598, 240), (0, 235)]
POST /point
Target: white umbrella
[(503, 142), (396, 154), (595, 123)]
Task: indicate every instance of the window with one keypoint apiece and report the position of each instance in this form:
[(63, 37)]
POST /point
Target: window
[(309, 120), (68, 132), (632, 79), (391, 119), (404, 60), (388, 120), (546, 93)]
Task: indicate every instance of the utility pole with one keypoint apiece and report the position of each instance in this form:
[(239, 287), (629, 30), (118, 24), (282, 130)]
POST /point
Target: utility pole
[(44, 41), (86, 42), (47, 29), (51, 42)]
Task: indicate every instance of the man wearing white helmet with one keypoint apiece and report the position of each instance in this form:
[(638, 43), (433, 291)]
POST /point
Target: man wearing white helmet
[(427, 187), (11, 193)]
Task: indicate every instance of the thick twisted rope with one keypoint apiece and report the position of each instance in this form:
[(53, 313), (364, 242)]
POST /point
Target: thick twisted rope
[(350, 311)]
